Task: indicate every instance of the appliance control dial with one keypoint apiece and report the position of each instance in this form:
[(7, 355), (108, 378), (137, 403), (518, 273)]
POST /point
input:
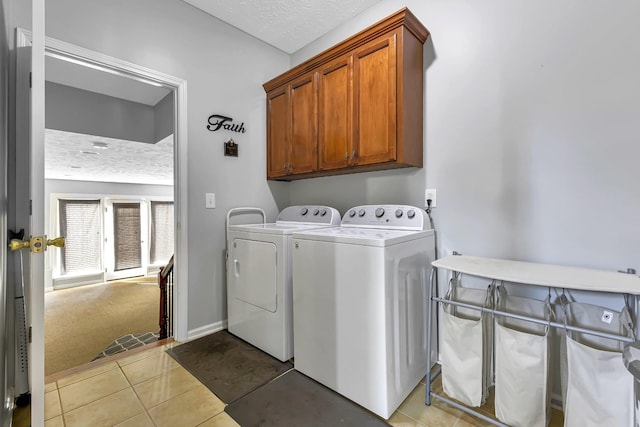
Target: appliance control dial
[(323, 212), (398, 213), (304, 211), (411, 213), (352, 213), (316, 212), (379, 212), (361, 212)]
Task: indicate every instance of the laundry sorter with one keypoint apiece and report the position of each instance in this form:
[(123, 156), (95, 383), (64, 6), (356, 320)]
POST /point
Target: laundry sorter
[(597, 389)]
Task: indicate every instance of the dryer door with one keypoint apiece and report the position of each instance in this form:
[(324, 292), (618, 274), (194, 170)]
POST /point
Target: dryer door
[(254, 274)]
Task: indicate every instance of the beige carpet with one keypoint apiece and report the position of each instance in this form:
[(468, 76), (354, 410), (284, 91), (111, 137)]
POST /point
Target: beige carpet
[(81, 322)]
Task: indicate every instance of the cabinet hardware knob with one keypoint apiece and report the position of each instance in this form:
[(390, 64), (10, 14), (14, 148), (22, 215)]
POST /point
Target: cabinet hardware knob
[(354, 155), (346, 156)]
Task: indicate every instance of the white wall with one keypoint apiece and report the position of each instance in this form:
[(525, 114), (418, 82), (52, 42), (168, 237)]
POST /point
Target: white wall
[(224, 69), (531, 130)]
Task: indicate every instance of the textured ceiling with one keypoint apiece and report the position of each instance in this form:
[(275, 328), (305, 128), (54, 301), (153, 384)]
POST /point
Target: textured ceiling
[(285, 24), (75, 157)]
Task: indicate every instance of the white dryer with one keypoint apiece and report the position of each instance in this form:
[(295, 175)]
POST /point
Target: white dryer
[(359, 304), (259, 290)]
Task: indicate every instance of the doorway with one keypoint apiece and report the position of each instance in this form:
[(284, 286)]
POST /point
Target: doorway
[(36, 178), (108, 160)]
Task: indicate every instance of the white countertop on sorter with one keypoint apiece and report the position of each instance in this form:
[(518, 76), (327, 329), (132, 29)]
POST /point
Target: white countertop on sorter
[(542, 274)]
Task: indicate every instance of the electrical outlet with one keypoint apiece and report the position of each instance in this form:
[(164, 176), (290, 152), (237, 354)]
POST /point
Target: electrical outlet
[(430, 194)]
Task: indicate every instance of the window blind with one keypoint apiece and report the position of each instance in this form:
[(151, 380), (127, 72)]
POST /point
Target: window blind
[(126, 230), (161, 232), (80, 225)]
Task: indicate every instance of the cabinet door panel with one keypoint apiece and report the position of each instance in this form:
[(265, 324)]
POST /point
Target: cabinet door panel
[(375, 101), (335, 133), (277, 133), (304, 125)]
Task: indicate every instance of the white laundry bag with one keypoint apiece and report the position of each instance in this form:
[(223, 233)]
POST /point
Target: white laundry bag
[(466, 345), (599, 388), (522, 357)]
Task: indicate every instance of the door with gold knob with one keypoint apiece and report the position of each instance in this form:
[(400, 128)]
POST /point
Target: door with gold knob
[(25, 209)]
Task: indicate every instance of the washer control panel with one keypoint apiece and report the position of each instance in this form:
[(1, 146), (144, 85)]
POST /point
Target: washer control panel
[(402, 217), (310, 214)]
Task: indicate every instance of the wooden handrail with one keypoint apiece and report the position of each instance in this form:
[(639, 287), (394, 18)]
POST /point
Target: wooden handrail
[(164, 277), (167, 269)]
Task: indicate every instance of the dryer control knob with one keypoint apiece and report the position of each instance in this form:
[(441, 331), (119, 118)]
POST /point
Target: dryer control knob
[(316, 212), (411, 213), (398, 213), (323, 212), (352, 213), (361, 212), (304, 211), (379, 212)]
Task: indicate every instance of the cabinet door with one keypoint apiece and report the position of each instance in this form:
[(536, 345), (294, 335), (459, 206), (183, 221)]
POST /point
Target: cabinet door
[(335, 113), (304, 125), (374, 89), (277, 132)]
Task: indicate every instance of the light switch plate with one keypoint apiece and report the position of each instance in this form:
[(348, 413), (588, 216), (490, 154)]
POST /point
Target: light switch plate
[(210, 200)]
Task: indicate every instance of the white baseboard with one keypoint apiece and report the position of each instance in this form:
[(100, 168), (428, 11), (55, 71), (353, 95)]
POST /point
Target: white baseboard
[(206, 329), (73, 281)]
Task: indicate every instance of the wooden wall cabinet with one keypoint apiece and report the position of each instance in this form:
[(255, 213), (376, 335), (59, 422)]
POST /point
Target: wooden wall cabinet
[(356, 107), (292, 128)]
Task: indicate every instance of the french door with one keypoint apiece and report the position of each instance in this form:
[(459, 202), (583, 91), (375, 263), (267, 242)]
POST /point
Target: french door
[(126, 245)]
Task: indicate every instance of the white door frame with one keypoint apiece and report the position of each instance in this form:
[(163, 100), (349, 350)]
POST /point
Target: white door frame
[(70, 52)]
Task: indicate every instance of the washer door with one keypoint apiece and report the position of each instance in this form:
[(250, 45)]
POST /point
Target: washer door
[(254, 274)]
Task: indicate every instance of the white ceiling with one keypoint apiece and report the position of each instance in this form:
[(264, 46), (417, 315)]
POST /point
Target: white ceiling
[(74, 156), (285, 24)]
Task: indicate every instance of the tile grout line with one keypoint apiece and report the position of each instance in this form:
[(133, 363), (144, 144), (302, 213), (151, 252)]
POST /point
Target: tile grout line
[(165, 401), (145, 410)]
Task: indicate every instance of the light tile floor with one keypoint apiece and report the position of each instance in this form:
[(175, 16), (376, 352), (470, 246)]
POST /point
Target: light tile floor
[(148, 388)]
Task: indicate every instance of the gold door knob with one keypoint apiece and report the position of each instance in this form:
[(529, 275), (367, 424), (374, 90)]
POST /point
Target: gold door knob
[(58, 242), (16, 245), (36, 244)]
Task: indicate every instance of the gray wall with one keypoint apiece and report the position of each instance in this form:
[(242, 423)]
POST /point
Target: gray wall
[(531, 130), (163, 118), (225, 69), (75, 110)]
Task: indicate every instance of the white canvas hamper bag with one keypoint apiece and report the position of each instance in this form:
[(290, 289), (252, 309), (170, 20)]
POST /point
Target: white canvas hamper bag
[(466, 345), (522, 356), (599, 388)]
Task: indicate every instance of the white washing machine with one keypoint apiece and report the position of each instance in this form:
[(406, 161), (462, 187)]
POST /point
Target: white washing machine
[(359, 308), (259, 290)]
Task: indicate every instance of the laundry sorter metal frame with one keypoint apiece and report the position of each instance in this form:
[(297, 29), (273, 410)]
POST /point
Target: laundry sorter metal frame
[(543, 275)]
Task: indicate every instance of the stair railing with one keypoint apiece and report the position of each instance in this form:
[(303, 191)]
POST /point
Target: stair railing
[(165, 281)]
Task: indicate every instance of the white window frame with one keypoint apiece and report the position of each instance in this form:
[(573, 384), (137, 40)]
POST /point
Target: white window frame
[(58, 280)]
